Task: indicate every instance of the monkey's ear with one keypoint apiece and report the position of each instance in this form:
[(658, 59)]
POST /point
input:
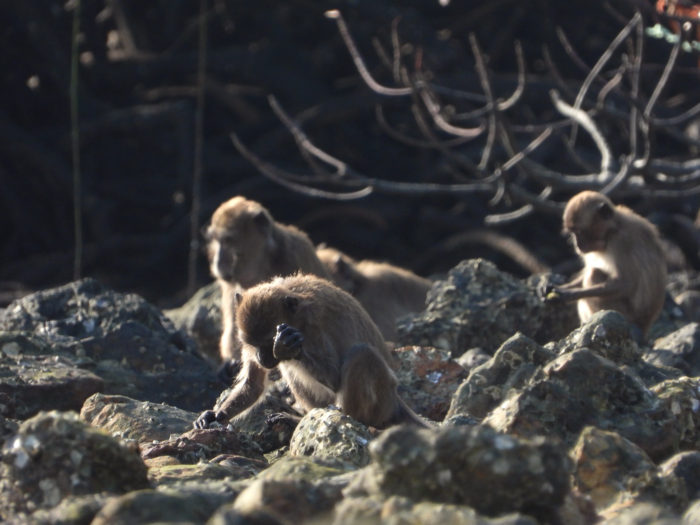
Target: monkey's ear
[(343, 267), (291, 303), (237, 299), (262, 220), (204, 231), (605, 211)]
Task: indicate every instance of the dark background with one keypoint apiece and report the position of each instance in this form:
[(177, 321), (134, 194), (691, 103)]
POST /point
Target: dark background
[(137, 109)]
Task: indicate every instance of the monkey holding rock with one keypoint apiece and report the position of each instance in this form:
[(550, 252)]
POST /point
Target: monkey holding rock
[(385, 291), (327, 348), (246, 247), (624, 264)]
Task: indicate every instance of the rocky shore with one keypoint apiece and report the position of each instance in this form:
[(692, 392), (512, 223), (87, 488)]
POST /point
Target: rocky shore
[(537, 420)]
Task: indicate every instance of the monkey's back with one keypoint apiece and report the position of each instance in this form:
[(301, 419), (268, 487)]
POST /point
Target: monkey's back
[(296, 253), (639, 261)]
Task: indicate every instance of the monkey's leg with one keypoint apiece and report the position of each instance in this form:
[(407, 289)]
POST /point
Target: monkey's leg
[(250, 385), (368, 387)]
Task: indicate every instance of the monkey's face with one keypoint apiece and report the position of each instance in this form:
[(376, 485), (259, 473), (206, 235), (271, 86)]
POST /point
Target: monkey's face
[(259, 311), (589, 218), (238, 244)]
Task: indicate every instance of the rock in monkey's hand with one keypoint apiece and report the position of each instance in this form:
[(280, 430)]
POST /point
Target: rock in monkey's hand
[(287, 343), (208, 417)]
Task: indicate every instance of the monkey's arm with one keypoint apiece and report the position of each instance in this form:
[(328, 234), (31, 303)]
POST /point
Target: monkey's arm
[(576, 282), (249, 387), (609, 289)]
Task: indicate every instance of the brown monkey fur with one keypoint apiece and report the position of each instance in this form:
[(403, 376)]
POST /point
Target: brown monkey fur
[(246, 247), (385, 291), (326, 347), (624, 264)]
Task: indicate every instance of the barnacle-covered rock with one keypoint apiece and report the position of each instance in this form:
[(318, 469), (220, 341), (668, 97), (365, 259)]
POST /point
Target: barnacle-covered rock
[(200, 318), (611, 469), (119, 337), (685, 466), (269, 434), (56, 455), (73, 510), (472, 466), (232, 468), (289, 501), (515, 362), (579, 389), (145, 507), (35, 383), (399, 510), (607, 334), (328, 433), (680, 397), (198, 444), (140, 420), (680, 349), (639, 514), (476, 306), (428, 377)]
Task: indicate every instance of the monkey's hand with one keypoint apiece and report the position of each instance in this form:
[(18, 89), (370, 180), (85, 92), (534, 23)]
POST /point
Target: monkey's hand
[(282, 418), (547, 291), (208, 417), (287, 343), (228, 371)]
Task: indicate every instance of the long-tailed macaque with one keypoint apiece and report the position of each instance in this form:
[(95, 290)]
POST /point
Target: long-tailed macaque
[(624, 264), (385, 291), (327, 348), (247, 247)]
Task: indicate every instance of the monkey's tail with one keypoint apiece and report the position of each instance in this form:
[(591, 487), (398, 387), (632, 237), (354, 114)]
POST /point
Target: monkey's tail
[(502, 243), (408, 416)]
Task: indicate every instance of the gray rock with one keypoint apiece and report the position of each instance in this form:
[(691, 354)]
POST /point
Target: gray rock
[(428, 378), (611, 469), (368, 511), (256, 423), (73, 510), (36, 383), (197, 445), (680, 349), (151, 506), (200, 318), (685, 466), (55, 455), (119, 337), (473, 466), (580, 389), (140, 420), (515, 362), (328, 433), (476, 306)]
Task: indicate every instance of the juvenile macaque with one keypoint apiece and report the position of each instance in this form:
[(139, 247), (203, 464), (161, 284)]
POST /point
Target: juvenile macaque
[(385, 291), (624, 264), (327, 348), (247, 247)]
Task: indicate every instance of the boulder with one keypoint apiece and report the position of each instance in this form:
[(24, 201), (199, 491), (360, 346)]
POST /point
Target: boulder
[(119, 337), (55, 455)]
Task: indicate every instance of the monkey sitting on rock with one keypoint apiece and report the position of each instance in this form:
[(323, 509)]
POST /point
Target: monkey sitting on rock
[(246, 247), (327, 348), (624, 264), (385, 291)]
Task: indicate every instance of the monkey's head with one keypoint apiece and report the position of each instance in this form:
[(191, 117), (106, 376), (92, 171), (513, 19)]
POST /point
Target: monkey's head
[(239, 240), (590, 218), (259, 311), (341, 268)]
